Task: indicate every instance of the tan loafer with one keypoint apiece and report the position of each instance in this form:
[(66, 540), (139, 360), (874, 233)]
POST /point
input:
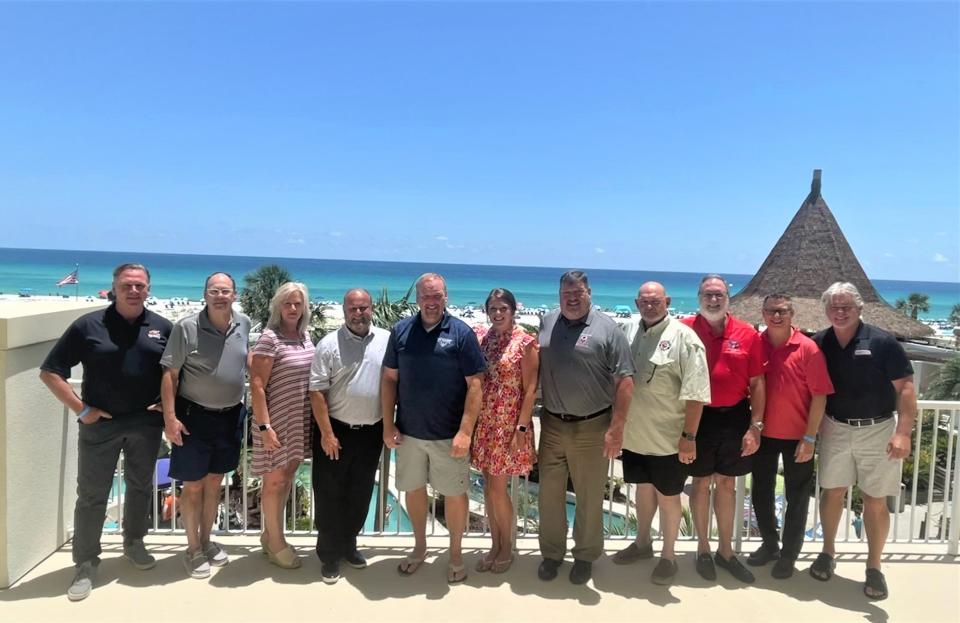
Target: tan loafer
[(285, 558)]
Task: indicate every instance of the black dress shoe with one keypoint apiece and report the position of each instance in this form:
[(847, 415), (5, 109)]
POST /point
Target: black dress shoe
[(764, 554), (355, 559), (736, 568), (705, 567), (664, 572), (548, 569), (581, 572), (783, 568)]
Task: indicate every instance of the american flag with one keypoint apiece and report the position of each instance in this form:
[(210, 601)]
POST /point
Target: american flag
[(71, 279)]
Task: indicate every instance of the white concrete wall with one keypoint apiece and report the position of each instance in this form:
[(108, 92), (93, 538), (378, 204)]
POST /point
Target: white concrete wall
[(38, 444)]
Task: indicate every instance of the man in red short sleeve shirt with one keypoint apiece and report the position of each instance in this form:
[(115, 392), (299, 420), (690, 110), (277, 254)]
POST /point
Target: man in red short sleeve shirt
[(730, 426), (797, 387)]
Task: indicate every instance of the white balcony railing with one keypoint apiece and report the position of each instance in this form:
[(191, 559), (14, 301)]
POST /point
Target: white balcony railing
[(924, 511)]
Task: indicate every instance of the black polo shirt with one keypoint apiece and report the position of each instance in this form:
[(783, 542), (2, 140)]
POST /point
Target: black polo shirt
[(862, 372), (431, 369), (121, 360)]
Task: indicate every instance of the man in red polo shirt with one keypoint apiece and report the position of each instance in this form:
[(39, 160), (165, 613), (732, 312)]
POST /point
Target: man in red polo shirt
[(730, 426), (797, 387)]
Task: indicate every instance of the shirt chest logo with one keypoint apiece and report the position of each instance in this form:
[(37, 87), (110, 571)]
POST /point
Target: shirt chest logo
[(154, 334), (733, 345), (664, 345), (583, 340), (444, 342)]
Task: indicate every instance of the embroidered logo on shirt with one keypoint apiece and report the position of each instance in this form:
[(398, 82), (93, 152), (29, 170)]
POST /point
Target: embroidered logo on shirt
[(665, 345), (583, 339), (444, 342), (154, 334), (733, 345), (862, 352)]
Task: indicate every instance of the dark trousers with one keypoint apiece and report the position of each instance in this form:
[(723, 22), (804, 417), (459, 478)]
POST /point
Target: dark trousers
[(100, 445), (798, 480), (342, 488)]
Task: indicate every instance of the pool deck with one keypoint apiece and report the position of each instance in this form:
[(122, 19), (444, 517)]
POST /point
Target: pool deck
[(923, 583)]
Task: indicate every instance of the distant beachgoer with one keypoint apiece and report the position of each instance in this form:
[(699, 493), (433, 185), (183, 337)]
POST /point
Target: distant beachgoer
[(586, 374), (797, 389), (348, 438), (503, 438), (279, 375), (432, 373), (205, 365), (730, 426), (659, 442), (118, 410), (861, 443)]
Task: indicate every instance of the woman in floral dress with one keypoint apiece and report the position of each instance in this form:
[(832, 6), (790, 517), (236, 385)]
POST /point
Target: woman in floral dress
[(503, 437)]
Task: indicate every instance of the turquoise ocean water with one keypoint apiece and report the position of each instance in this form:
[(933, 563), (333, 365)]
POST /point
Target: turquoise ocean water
[(183, 276)]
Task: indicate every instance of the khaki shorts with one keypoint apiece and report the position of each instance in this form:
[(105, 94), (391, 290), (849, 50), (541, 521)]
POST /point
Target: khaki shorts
[(421, 462), (858, 455)]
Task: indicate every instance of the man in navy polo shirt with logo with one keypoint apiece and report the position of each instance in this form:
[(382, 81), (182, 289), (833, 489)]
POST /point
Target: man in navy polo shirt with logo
[(861, 443), (432, 373), (120, 349)]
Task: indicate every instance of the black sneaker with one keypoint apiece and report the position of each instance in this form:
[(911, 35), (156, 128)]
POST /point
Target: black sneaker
[(764, 554), (736, 568), (330, 572), (581, 572), (705, 567), (356, 560), (548, 569), (664, 572), (783, 568)]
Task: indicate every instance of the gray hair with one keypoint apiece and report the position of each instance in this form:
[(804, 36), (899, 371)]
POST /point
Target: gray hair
[(573, 278), (276, 306), (709, 277), (130, 266), (362, 291), (233, 282), (841, 287), (428, 277)]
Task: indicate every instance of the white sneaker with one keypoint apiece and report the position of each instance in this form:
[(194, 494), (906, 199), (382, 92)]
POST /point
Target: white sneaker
[(215, 554), (82, 582), (196, 565)]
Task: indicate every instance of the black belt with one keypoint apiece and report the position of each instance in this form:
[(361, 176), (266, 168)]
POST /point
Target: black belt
[(352, 426), (191, 403), (860, 422), (568, 417)]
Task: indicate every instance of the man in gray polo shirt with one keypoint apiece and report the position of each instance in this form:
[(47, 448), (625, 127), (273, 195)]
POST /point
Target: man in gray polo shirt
[(345, 395), (205, 364), (586, 376)]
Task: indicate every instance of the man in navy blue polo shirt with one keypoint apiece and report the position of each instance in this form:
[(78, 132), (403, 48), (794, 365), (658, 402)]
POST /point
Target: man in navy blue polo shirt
[(117, 410), (432, 373)]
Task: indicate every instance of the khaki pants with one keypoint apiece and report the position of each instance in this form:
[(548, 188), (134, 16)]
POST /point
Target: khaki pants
[(573, 449)]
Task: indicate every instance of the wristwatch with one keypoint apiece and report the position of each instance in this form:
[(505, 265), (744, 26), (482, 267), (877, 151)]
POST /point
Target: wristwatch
[(689, 436), (757, 425), (810, 439), (522, 428), (263, 427)]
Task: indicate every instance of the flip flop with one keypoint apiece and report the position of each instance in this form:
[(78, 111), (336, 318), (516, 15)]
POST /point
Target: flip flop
[(484, 564), (409, 565), (876, 583), (501, 566), (822, 568), (456, 573)]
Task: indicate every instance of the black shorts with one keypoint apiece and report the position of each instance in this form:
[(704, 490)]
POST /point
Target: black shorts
[(666, 473), (719, 442), (213, 445)]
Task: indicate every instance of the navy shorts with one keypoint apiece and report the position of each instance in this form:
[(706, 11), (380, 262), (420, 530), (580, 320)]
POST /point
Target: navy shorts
[(213, 445), (666, 473), (719, 442)]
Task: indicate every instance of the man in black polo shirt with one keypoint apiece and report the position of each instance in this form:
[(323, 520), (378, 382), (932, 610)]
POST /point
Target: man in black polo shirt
[(860, 441), (120, 350)]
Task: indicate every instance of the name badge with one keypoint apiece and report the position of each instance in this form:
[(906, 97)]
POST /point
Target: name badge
[(862, 352)]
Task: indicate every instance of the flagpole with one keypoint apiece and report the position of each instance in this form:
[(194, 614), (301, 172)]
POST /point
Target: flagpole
[(76, 292)]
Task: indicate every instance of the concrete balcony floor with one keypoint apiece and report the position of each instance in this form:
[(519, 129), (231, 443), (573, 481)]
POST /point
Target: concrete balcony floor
[(923, 582)]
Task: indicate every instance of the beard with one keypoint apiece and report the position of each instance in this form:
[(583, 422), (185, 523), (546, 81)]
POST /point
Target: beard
[(712, 316)]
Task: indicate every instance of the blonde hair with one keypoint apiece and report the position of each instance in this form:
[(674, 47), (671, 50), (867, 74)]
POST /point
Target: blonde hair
[(276, 306)]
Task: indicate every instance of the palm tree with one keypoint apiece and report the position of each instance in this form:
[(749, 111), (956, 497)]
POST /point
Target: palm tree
[(947, 385), (955, 314), (318, 322), (259, 288), (386, 313), (915, 303)]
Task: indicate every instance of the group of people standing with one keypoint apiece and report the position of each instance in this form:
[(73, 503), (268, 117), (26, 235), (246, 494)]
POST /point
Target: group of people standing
[(707, 397)]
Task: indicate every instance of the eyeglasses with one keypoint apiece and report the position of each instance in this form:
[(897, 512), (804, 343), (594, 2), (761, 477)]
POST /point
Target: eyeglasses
[(713, 295), (778, 312), (219, 291)]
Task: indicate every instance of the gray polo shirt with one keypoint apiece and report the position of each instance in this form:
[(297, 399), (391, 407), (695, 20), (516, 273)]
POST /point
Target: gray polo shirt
[(579, 362), (212, 365), (346, 367)]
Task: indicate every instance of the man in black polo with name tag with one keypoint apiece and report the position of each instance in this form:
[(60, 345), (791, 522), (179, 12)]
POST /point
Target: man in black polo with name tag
[(586, 376), (861, 443), (203, 387), (120, 350)]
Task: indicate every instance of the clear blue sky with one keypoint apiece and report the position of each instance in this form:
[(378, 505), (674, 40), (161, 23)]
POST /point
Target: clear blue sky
[(660, 136)]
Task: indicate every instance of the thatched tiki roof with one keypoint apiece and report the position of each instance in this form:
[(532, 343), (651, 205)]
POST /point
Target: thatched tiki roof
[(812, 254)]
